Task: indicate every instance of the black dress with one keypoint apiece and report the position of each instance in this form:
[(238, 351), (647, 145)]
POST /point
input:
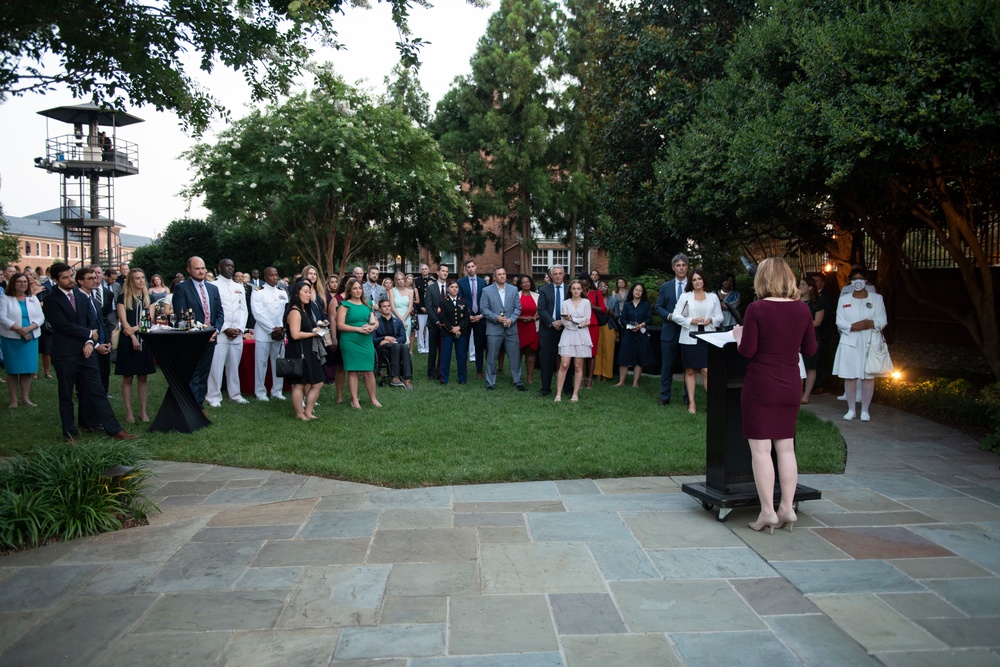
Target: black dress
[(312, 369), (636, 349), (131, 361)]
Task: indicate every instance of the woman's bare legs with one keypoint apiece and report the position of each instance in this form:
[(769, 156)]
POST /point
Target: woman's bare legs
[(578, 365), (788, 476), (763, 479), (867, 392), (689, 384), (143, 396), (312, 394), (25, 381), (339, 382), (636, 374), (127, 398), (529, 363), (851, 391), (352, 386), (47, 365), (12, 383), (561, 376), (370, 386), (622, 374), (704, 379), (298, 390), (810, 383)]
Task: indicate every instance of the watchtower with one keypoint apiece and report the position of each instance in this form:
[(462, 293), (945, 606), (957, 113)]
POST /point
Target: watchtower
[(88, 161)]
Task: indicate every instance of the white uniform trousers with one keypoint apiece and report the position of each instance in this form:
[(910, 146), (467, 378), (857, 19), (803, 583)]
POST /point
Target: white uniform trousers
[(266, 350), (422, 333), (227, 356)]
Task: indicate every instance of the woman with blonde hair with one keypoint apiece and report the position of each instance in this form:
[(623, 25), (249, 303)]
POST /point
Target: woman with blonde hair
[(401, 302), (776, 328), (134, 359)]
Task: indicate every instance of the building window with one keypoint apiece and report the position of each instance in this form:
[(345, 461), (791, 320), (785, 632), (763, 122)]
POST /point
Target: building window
[(48, 250), (27, 247), (74, 252), (541, 260)]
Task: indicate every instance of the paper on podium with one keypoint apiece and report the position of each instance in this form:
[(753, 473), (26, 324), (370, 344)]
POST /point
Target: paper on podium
[(716, 338)]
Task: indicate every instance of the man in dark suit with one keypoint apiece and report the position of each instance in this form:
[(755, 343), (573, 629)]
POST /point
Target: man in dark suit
[(666, 300), (202, 298), (256, 282), (390, 342), (471, 289), (104, 303), (90, 284), (436, 292), (75, 333), (550, 325)]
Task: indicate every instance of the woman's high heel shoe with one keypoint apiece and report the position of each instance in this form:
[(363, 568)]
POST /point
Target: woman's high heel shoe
[(788, 518), (761, 524)]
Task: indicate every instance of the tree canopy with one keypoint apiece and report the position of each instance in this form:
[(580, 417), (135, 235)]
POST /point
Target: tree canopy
[(118, 51), (847, 117), (334, 174)]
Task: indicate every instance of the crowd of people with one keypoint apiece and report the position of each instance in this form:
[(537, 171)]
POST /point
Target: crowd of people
[(575, 330)]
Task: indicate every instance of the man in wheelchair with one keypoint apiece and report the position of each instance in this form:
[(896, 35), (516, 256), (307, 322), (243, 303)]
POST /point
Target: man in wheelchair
[(390, 343)]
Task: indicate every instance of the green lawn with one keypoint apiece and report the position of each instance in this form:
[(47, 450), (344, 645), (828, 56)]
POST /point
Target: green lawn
[(438, 435)]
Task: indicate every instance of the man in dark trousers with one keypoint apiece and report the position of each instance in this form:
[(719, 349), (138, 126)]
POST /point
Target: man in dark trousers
[(436, 292), (75, 333), (471, 289), (550, 326), (666, 300), (202, 299), (104, 302), (88, 282)]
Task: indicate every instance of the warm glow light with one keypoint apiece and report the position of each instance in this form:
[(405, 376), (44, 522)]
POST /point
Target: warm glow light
[(896, 375), (827, 268)]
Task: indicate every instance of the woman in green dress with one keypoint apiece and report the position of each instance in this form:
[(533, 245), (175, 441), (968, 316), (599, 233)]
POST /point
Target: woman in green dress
[(354, 321)]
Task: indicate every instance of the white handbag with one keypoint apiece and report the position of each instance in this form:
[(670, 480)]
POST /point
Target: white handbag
[(877, 361)]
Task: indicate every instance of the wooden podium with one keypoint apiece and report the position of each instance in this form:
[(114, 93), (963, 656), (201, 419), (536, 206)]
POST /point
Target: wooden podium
[(728, 471)]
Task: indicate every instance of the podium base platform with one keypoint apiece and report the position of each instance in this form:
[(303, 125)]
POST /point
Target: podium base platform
[(740, 495)]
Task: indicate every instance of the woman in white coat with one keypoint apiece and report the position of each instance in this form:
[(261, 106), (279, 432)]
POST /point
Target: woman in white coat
[(860, 314), (697, 307), (20, 326)]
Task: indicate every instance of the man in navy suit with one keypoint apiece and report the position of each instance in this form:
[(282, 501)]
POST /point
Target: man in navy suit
[(666, 300), (471, 289), (75, 333), (202, 298), (89, 283), (104, 302), (501, 307), (550, 326)]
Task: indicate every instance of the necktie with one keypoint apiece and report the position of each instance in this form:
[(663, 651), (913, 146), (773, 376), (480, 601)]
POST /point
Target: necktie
[(441, 286), (204, 302), (72, 301), (473, 285), (558, 312), (680, 289), (100, 297)]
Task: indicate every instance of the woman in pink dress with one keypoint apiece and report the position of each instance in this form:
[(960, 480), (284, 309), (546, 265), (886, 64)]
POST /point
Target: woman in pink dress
[(527, 325)]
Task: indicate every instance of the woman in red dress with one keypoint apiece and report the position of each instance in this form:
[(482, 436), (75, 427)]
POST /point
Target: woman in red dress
[(596, 306), (775, 329), (527, 325)]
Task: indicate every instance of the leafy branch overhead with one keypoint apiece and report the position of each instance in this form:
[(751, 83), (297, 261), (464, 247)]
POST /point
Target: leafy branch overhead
[(140, 52)]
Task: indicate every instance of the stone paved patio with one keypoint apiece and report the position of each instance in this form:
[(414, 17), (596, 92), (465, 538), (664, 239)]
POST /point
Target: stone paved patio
[(898, 564)]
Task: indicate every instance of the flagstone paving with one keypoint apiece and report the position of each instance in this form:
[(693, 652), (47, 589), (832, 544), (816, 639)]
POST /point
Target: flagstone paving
[(897, 564)]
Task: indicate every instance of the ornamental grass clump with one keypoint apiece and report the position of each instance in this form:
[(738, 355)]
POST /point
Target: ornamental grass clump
[(70, 490)]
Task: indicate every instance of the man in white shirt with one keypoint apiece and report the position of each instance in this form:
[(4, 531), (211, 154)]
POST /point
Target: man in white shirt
[(268, 306), (230, 341)]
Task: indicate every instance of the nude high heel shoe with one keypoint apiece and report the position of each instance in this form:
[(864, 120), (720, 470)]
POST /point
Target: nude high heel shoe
[(788, 518), (761, 524)]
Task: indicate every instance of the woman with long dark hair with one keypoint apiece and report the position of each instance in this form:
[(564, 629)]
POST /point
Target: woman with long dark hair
[(306, 343)]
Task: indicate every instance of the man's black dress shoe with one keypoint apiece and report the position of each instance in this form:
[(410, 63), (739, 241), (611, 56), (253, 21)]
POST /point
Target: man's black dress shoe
[(664, 401)]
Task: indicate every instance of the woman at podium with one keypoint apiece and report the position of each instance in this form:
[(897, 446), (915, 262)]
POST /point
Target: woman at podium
[(776, 328)]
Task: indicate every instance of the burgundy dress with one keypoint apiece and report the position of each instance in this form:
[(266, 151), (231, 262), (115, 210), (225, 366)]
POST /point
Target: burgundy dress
[(774, 332), (596, 304), (527, 335)]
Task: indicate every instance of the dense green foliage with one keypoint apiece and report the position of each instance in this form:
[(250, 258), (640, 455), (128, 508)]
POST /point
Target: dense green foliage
[(848, 118), (118, 52), (61, 491), (248, 244), (10, 246), (333, 174), (425, 437)]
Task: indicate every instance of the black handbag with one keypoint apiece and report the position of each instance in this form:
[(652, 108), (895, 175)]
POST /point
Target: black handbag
[(288, 367)]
